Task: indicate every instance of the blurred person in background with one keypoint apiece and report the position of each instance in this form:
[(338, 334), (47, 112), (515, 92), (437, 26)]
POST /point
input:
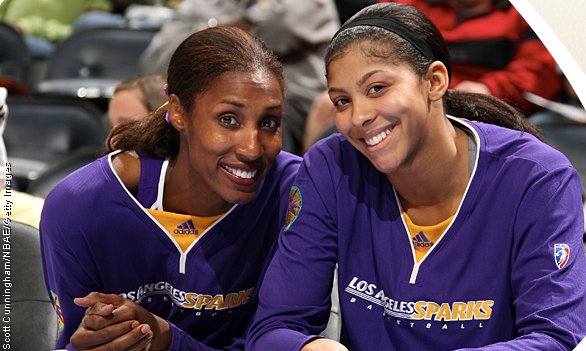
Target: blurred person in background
[(135, 97), (493, 50), (45, 23)]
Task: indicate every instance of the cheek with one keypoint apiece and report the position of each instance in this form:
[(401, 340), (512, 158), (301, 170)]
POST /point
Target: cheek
[(271, 145), (343, 122), (205, 144)]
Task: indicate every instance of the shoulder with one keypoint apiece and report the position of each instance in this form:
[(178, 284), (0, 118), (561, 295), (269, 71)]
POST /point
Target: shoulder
[(127, 166), (521, 158), (335, 152), (283, 171), (287, 162)]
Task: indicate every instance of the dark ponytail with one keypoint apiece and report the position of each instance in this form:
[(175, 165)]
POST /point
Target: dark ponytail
[(151, 135), (487, 109)]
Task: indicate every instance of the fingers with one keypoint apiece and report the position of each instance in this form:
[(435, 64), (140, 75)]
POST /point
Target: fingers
[(84, 339), (142, 344), (95, 297), (100, 309), (96, 321)]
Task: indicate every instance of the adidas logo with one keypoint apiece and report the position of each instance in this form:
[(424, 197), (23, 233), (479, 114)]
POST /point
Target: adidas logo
[(421, 240), (185, 228)]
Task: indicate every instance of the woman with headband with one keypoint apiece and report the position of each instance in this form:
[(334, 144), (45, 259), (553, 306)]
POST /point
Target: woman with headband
[(452, 225), (161, 243)]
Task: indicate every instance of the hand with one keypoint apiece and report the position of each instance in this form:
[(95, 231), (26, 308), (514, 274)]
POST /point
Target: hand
[(473, 87), (127, 336), (323, 345), (107, 313)]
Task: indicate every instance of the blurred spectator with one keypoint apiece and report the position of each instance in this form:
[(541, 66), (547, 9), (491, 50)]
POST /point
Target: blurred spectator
[(296, 30), (135, 98), (134, 14), (16, 205), (347, 8), (493, 51), (46, 22)]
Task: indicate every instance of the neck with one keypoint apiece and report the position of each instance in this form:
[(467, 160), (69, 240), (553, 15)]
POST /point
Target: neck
[(188, 194), (432, 188)]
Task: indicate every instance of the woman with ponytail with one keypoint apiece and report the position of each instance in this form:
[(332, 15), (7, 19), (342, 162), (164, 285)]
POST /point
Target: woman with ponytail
[(452, 225), (161, 243)]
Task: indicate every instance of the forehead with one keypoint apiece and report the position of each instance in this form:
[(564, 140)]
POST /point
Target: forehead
[(258, 87), (363, 53), (368, 51)]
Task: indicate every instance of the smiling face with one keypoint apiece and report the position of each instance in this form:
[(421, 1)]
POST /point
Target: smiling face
[(230, 138), (382, 108)]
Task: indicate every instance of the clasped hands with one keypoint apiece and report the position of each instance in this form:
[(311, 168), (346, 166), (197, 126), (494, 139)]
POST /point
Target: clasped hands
[(113, 323)]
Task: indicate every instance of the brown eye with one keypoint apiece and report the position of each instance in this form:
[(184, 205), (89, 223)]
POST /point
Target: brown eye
[(270, 123), (375, 89), (341, 102), (228, 120)]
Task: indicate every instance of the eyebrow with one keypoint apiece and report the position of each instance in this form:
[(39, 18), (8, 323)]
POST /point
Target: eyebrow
[(231, 102), (365, 77), (360, 82), (241, 105)]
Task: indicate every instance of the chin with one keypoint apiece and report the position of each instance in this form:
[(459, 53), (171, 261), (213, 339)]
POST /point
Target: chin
[(386, 168), (242, 198)]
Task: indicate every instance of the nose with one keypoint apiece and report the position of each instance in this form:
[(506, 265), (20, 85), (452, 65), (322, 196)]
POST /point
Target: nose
[(249, 146), (362, 114)]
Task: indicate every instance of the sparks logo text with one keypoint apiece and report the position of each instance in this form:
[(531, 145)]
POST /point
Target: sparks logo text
[(421, 310)]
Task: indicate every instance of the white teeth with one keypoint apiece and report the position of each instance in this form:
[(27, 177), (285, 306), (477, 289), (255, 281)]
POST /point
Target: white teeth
[(240, 173), (377, 138)]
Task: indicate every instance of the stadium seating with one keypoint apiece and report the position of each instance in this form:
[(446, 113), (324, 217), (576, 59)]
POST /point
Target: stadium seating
[(41, 131), (89, 63), (14, 58)]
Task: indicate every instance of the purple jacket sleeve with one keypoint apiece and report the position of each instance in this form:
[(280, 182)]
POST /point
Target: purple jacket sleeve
[(66, 265), (549, 302), (294, 302)]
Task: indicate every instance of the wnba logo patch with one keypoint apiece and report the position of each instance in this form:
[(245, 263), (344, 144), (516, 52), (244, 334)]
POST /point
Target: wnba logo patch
[(295, 202), (561, 254)]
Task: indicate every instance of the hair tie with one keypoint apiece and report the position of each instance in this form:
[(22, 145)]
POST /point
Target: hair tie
[(166, 112)]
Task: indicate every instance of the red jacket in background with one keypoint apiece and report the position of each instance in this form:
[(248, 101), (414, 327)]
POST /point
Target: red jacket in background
[(497, 48)]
